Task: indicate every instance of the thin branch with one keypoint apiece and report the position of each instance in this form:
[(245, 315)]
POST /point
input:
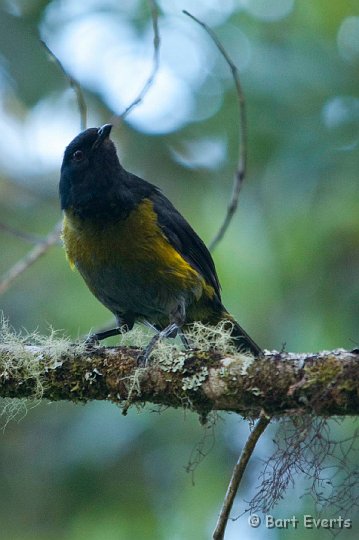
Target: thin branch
[(43, 245), (237, 475), (155, 66), (81, 102), (28, 237), (242, 159), (30, 258)]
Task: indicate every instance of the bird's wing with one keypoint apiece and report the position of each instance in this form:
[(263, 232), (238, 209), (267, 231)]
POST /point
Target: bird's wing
[(185, 240)]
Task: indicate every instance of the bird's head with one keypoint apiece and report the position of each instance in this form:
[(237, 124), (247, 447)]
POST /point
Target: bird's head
[(90, 168)]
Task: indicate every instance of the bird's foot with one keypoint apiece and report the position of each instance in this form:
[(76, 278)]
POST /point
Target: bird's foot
[(91, 341), (94, 339), (170, 331)]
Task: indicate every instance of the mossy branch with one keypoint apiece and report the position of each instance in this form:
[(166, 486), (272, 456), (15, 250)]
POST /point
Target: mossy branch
[(324, 383)]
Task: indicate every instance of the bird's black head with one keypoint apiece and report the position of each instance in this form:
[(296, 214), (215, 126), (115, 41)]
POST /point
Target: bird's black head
[(90, 171)]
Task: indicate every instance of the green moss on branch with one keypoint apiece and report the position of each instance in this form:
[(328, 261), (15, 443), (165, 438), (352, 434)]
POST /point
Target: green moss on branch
[(280, 383)]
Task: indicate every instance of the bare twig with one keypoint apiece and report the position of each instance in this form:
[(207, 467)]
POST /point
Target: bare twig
[(29, 259), (81, 103), (242, 160), (28, 237), (237, 475), (42, 245), (155, 65)]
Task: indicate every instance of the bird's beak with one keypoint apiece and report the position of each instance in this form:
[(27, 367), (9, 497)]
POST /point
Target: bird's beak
[(102, 134)]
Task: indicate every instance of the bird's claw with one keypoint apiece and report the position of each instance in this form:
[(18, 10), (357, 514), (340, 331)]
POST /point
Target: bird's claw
[(142, 360), (91, 341)]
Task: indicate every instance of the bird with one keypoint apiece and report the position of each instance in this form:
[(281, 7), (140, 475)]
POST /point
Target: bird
[(135, 251)]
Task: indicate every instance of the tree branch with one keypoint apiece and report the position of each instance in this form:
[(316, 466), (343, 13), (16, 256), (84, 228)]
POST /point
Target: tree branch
[(237, 475), (73, 83), (23, 235), (155, 67), (242, 159), (30, 258), (325, 383)]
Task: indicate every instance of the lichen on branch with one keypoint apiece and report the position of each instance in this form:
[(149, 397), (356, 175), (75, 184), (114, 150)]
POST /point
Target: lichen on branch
[(211, 376)]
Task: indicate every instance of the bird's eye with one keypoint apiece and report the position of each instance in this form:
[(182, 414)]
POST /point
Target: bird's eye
[(78, 155)]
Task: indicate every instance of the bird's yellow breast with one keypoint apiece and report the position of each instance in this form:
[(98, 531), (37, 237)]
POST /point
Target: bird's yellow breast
[(135, 244)]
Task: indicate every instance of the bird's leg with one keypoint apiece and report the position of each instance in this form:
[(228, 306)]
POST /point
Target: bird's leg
[(94, 339), (187, 343), (122, 327), (177, 319), (170, 331)]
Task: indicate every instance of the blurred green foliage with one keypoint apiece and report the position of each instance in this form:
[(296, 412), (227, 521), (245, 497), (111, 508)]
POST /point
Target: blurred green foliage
[(288, 264)]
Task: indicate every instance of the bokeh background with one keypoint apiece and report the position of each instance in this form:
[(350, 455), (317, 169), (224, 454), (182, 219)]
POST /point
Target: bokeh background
[(288, 263)]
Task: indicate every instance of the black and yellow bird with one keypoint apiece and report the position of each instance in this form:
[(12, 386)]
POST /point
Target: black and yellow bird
[(135, 251)]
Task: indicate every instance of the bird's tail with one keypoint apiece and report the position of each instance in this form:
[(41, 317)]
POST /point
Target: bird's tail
[(241, 339)]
